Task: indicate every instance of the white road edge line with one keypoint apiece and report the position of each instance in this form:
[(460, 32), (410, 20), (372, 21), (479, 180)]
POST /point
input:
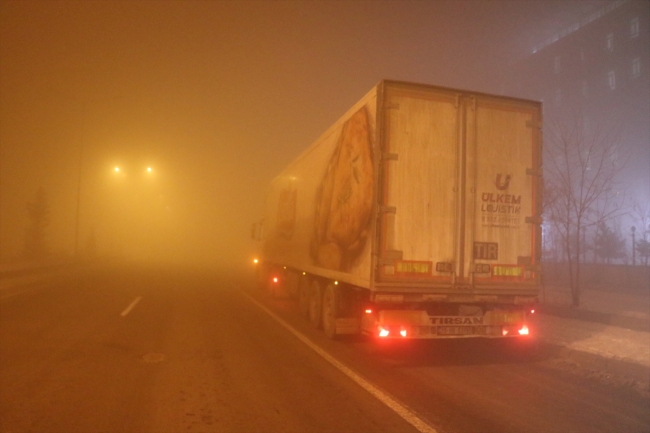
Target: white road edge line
[(402, 410), (131, 305)]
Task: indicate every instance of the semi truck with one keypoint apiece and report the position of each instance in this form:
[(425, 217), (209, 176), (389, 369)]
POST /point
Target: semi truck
[(417, 215)]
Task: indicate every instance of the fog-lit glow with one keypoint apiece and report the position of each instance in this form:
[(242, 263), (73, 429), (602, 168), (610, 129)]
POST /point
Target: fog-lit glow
[(368, 311), (275, 279), (215, 156), (256, 261)]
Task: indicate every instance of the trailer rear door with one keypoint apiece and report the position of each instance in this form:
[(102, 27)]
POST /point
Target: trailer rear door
[(458, 188), (501, 218)]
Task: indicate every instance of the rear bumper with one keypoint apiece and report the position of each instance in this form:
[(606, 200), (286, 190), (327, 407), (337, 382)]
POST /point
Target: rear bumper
[(417, 324)]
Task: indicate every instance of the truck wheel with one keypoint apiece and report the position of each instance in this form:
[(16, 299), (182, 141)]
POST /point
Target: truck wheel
[(330, 299), (303, 296), (315, 304)]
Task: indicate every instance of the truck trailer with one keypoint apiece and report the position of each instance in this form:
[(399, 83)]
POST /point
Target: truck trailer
[(415, 216)]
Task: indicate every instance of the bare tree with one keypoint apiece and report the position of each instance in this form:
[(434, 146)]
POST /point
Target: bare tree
[(581, 168), (641, 218), (609, 243), (643, 249)]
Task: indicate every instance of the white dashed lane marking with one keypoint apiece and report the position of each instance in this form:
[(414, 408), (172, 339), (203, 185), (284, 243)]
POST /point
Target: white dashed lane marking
[(131, 305)]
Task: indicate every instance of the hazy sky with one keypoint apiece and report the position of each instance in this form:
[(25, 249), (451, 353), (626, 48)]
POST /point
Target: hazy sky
[(217, 97)]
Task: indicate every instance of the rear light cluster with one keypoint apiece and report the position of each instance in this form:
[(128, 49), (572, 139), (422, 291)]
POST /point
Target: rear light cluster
[(515, 330), (393, 331)]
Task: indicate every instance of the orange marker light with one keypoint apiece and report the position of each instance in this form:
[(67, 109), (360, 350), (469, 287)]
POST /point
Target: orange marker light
[(368, 311), (402, 332), (275, 279), (383, 332)]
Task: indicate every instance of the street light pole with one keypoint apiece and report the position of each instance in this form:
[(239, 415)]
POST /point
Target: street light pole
[(81, 154), (633, 247)]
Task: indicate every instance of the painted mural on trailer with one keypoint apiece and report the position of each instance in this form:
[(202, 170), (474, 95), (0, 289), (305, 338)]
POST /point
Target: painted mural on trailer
[(344, 198)]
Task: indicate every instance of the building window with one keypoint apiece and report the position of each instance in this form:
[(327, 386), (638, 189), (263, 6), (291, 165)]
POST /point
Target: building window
[(636, 67), (584, 89), (556, 65), (634, 27), (610, 42), (611, 80)]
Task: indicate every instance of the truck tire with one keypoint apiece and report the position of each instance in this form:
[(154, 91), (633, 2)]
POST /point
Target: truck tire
[(330, 310), (303, 296), (315, 304)]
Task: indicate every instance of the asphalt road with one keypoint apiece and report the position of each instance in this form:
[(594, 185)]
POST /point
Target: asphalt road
[(157, 350)]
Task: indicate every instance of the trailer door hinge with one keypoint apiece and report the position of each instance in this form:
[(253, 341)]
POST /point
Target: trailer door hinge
[(388, 257), (389, 157), (533, 220)]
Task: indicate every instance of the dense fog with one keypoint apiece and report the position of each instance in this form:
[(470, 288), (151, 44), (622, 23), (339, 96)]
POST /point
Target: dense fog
[(152, 129)]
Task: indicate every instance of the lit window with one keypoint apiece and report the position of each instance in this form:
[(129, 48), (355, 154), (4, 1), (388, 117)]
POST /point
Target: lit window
[(634, 27), (610, 42), (636, 67), (611, 80), (556, 65)]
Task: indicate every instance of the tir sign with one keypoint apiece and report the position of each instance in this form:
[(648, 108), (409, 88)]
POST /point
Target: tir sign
[(486, 251)]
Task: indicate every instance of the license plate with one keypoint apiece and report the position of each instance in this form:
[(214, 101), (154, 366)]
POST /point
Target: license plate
[(455, 330)]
